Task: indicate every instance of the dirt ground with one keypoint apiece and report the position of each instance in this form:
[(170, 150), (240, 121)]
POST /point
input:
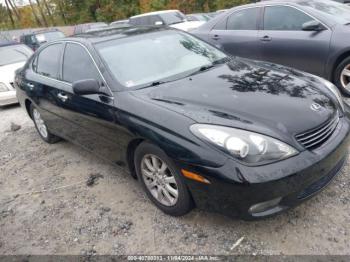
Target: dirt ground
[(46, 207)]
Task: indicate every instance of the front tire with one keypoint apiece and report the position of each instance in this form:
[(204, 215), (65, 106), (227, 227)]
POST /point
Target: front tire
[(41, 127), (161, 180), (342, 77)]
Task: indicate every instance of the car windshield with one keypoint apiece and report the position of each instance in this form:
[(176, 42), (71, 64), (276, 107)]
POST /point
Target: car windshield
[(157, 57), (14, 54), (49, 36), (337, 11), (171, 18)]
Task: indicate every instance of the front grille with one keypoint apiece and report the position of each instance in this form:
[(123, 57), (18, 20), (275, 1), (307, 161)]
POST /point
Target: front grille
[(315, 138)]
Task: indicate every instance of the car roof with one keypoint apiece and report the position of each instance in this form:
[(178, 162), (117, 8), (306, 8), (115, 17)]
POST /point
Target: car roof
[(8, 43), (264, 2), (112, 33), (42, 31), (155, 13)]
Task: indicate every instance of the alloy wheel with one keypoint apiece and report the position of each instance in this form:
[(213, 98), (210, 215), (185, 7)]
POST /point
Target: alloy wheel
[(40, 124), (345, 77), (159, 180)]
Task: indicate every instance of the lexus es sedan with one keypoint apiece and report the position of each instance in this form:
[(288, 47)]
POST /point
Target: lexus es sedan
[(195, 127), (309, 35)]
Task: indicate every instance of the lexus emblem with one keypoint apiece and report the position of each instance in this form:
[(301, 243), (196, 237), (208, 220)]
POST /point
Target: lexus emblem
[(315, 107)]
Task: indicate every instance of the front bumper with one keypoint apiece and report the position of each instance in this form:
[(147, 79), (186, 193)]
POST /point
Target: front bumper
[(236, 188), (8, 98)]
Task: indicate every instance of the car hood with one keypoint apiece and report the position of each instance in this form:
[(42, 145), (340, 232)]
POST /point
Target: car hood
[(7, 72), (188, 25), (248, 95)]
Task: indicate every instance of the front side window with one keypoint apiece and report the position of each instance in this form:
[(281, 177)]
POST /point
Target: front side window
[(47, 62), (141, 60), (77, 64), (243, 20), (284, 18)]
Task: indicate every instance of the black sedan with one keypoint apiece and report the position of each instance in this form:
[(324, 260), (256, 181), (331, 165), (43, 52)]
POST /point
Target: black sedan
[(312, 36), (196, 127)]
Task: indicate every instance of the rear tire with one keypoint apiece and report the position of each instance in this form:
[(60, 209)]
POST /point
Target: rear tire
[(41, 127), (342, 77), (161, 180)]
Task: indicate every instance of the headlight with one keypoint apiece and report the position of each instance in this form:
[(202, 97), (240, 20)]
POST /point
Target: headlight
[(246, 146), (3, 87), (334, 90)]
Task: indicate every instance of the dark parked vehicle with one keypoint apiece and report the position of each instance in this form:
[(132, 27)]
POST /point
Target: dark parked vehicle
[(35, 39), (83, 28), (312, 36), (196, 127)]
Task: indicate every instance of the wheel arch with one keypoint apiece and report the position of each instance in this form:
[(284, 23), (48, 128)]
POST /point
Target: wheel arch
[(27, 104), (130, 153), (337, 61)]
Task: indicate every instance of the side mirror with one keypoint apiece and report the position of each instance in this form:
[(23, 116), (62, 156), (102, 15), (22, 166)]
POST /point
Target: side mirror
[(313, 26), (87, 87), (159, 23)]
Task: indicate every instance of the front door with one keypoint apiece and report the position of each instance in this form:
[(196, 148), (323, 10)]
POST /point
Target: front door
[(284, 42), (92, 117)]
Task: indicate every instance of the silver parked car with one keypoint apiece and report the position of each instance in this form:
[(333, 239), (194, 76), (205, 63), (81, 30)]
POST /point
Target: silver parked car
[(310, 35), (12, 57)]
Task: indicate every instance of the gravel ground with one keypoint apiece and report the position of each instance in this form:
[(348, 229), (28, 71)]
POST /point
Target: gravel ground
[(46, 207)]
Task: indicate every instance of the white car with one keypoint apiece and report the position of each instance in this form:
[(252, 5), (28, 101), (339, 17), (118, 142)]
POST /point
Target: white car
[(172, 18), (12, 57)]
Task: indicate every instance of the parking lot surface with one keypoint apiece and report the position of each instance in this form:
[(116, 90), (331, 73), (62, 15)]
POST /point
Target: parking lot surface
[(47, 207)]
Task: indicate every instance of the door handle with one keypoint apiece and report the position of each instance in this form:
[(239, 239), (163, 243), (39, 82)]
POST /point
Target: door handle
[(216, 37), (266, 38), (62, 97), (31, 86)]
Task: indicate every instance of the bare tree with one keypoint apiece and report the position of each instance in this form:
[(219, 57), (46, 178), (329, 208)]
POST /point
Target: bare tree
[(10, 14), (49, 12), (42, 13), (37, 20), (15, 10), (61, 8)]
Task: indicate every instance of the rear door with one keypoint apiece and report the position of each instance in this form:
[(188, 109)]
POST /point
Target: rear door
[(237, 33), (44, 86), (284, 42)]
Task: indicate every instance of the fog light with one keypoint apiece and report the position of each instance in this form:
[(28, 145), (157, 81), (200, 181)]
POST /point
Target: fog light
[(264, 206)]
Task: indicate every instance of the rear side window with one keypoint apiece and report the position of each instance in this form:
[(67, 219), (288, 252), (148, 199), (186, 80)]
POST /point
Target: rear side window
[(47, 63), (78, 65), (243, 20), (139, 20), (152, 20), (284, 18)]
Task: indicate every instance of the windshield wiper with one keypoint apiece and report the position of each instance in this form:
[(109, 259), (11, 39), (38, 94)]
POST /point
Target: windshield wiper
[(155, 83), (202, 69)]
